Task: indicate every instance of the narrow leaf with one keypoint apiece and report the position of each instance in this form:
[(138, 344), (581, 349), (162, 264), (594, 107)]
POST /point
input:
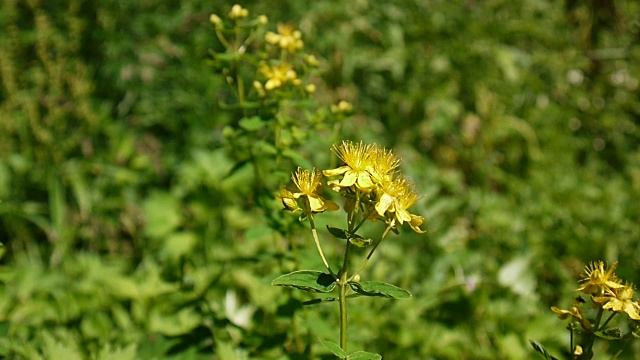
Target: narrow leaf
[(376, 288), (307, 280), (539, 348), (363, 355), (318, 301), (339, 233), (609, 334)]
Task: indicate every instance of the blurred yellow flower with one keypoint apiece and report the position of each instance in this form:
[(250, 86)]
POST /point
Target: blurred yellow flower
[(342, 107), (620, 300), (215, 20), (308, 185), (238, 12), (279, 75), (357, 159), (597, 280), (287, 38)]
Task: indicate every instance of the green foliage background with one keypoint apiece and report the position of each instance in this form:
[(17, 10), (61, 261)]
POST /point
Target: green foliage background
[(130, 232)]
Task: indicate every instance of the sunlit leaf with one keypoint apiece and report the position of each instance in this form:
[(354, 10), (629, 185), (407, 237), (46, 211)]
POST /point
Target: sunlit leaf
[(363, 355), (307, 280), (334, 348), (359, 241), (252, 124)]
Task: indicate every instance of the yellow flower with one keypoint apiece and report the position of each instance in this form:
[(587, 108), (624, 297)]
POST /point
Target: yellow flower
[(383, 165), (597, 280), (620, 300), (238, 12), (342, 107), (395, 198), (287, 38), (279, 75), (357, 159), (308, 186)]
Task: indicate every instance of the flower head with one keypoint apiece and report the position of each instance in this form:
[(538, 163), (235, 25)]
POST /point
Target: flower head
[(395, 198), (287, 38), (308, 186), (597, 280), (620, 300), (279, 75), (357, 159)]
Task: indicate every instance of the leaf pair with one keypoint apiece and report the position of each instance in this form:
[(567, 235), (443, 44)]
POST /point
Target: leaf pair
[(316, 281)]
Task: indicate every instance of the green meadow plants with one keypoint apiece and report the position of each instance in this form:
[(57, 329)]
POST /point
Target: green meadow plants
[(372, 190)]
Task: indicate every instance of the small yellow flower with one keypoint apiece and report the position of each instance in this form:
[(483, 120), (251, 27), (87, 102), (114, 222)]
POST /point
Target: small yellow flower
[(287, 38), (342, 107), (259, 88), (310, 88), (396, 197), (215, 20), (279, 75), (620, 300), (263, 20), (238, 12), (357, 159), (309, 186), (597, 280), (312, 60)]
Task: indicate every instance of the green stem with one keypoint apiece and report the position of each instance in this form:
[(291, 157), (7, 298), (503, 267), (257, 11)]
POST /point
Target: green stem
[(343, 283), (375, 246), (314, 232), (607, 321), (590, 338)]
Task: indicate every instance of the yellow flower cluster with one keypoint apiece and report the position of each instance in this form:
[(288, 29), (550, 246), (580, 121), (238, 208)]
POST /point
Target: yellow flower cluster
[(287, 38), (279, 75), (369, 181), (369, 176), (607, 291)]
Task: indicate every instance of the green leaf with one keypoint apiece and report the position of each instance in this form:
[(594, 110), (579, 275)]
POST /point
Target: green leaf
[(161, 213), (377, 288), (363, 355), (609, 334), (338, 233), (307, 280), (539, 348), (318, 301), (359, 241), (178, 245), (253, 123), (334, 348)]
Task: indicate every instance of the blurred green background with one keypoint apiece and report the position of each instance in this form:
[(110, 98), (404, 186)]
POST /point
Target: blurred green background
[(130, 233)]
